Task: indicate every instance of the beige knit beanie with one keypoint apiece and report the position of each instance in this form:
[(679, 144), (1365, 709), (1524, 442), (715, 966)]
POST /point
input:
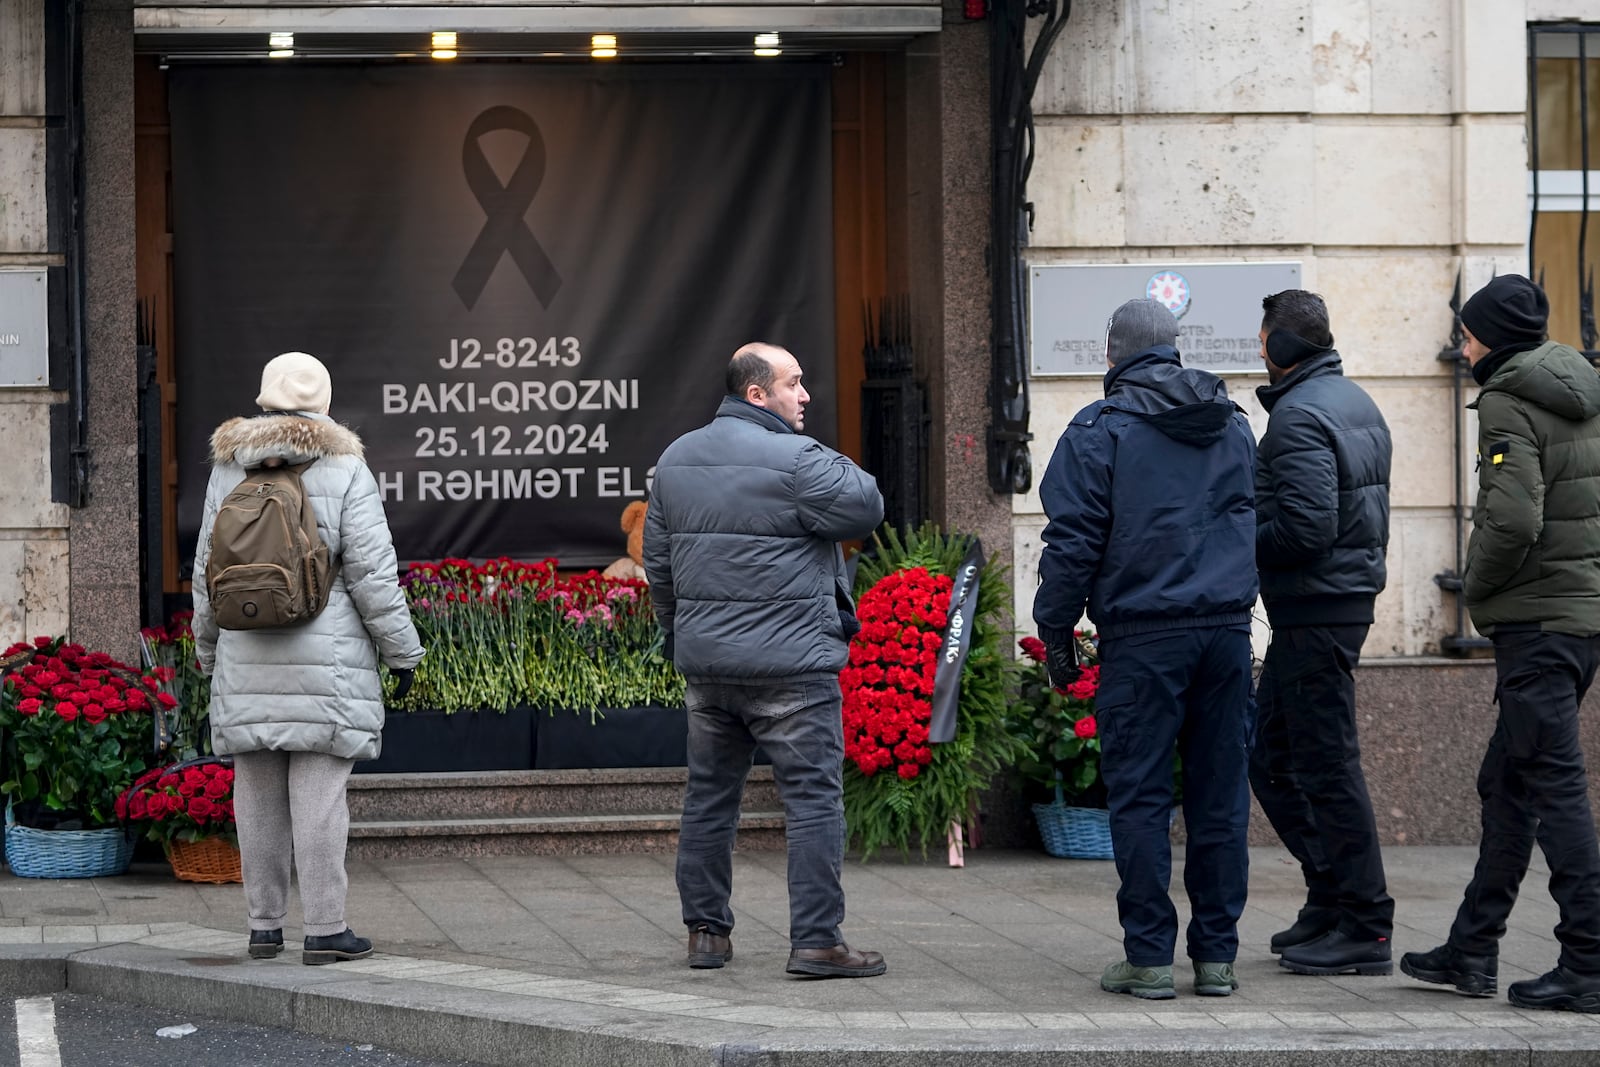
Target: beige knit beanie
[(295, 381)]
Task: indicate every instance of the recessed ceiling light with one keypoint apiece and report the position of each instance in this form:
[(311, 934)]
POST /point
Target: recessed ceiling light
[(280, 40), (280, 53), (766, 40), (444, 39)]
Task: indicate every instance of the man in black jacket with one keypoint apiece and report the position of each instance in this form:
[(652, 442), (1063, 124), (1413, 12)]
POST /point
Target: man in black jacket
[(1322, 509), (1152, 522)]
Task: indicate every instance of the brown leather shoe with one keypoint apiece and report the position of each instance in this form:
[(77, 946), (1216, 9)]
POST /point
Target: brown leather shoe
[(840, 961), (708, 950)]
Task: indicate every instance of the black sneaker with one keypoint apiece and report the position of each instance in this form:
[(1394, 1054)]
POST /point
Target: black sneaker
[(1559, 990), (1310, 924), (265, 944), (1476, 976), (341, 946), (1338, 953)]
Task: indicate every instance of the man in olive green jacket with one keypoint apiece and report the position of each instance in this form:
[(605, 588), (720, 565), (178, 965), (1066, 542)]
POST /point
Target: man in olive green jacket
[(1532, 584)]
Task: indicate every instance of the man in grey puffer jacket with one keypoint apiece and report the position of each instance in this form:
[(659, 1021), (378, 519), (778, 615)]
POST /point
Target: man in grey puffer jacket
[(297, 706), (741, 546)]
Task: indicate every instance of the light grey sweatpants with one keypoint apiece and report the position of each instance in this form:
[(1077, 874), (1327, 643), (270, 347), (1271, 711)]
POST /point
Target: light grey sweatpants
[(291, 805)]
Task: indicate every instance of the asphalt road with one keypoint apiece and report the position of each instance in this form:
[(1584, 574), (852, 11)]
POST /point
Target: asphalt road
[(67, 1030)]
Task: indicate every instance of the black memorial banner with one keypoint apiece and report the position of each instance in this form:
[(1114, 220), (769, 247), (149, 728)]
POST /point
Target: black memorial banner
[(525, 282), (946, 699)]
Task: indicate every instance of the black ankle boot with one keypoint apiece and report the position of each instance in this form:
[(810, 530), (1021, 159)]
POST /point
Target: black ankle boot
[(1560, 990), (1476, 976), (265, 944), (1310, 924), (341, 946), (1338, 953)]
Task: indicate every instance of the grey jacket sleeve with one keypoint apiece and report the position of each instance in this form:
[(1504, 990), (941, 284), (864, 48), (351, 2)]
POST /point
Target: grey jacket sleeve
[(658, 564), (367, 563), (837, 500), (204, 623)]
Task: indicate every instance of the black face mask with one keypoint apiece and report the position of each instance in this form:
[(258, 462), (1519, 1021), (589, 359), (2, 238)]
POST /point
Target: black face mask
[(1287, 349)]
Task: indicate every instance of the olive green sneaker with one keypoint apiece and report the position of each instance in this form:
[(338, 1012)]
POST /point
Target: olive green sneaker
[(1146, 983), (1214, 979)]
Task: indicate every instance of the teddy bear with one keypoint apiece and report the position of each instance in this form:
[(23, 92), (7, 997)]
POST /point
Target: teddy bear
[(631, 565)]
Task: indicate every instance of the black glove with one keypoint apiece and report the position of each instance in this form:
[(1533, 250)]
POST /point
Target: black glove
[(403, 677), (1061, 663)]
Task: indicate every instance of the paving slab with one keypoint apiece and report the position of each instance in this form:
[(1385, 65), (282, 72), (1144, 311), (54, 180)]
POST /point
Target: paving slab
[(577, 961)]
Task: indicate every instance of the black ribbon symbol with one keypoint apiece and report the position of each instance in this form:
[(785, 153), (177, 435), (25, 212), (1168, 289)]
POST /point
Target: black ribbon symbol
[(504, 205)]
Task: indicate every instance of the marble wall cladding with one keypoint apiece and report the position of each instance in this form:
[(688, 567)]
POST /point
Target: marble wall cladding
[(1382, 185), (1491, 55), (1492, 202), (32, 574), (21, 57), (1078, 185), (23, 226), (25, 476)]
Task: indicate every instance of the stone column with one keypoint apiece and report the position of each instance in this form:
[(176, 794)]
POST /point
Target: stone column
[(105, 533)]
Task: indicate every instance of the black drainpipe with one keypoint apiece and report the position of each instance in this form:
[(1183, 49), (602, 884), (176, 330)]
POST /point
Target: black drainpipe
[(1011, 82), (1460, 642), (64, 196)]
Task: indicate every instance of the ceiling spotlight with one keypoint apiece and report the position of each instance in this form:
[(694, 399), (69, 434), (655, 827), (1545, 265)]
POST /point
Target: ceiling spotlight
[(444, 39), (444, 53), (767, 45), (280, 53), (280, 40), (603, 46)]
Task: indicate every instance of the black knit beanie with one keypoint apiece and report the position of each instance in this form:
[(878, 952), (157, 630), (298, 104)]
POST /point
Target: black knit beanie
[(1509, 310)]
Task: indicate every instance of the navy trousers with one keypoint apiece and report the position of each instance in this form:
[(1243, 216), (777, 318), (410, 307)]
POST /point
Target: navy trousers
[(1189, 690)]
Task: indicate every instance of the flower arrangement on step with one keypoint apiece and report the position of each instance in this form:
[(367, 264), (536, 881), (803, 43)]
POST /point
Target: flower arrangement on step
[(503, 634), (77, 731), (168, 651), (1060, 765), (900, 787), (188, 808)]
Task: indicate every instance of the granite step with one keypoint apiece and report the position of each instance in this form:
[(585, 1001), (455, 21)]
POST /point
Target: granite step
[(479, 795), (568, 835)]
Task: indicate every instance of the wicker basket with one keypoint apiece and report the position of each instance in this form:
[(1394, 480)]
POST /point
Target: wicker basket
[(211, 859), (33, 853), (1074, 833)]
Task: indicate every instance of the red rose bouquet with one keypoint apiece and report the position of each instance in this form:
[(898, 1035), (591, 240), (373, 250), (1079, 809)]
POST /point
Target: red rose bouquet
[(1057, 727), (182, 728), (182, 802), (77, 731)]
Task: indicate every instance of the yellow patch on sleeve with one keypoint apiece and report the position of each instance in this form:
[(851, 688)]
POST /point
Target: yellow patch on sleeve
[(1499, 457)]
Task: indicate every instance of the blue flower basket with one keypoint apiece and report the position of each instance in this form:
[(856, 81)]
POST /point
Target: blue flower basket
[(32, 853), (1074, 833)]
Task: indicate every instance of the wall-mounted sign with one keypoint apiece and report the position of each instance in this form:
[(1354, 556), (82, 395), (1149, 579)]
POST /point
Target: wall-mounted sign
[(1218, 306), (24, 329)]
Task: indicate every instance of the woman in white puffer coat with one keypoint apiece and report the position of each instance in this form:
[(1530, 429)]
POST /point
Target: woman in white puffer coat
[(297, 706)]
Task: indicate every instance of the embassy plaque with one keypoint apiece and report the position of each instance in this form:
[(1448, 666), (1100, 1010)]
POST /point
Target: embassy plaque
[(24, 329), (1218, 306)]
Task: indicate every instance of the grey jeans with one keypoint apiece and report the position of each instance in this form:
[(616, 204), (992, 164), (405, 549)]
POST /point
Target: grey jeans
[(798, 725)]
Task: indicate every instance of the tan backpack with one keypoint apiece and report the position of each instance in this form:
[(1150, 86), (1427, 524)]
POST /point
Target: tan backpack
[(269, 566)]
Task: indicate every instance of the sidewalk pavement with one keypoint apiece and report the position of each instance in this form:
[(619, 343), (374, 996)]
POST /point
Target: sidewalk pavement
[(580, 960)]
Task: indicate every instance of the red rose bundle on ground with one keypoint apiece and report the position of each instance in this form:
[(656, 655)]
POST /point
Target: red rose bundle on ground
[(182, 802), (1057, 727), (77, 731)]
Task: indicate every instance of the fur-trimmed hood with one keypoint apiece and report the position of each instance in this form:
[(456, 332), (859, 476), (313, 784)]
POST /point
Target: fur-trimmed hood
[(293, 438)]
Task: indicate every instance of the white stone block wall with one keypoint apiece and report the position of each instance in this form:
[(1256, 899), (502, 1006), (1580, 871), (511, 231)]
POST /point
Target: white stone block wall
[(33, 531), (1381, 143)]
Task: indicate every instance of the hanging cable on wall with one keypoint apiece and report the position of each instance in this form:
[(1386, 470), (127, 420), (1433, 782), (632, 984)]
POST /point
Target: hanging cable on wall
[(1014, 71)]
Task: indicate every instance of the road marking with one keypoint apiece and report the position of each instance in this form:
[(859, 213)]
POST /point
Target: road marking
[(36, 1033)]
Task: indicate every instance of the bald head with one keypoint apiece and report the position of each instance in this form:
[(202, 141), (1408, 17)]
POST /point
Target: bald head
[(768, 376)]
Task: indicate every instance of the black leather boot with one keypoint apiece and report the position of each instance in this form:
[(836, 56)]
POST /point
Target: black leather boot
[(265, 944), (1337, 953), (1310, 924), (335, 947), (1476, 976), (1560, 990)]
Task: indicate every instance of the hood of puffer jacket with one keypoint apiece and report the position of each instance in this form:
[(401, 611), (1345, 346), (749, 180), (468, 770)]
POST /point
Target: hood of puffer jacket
[(252, 441), (1555, 376)]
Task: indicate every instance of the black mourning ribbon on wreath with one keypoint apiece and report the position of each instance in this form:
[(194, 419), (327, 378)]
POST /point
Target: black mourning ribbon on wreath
[(953, 649), (504, 230)]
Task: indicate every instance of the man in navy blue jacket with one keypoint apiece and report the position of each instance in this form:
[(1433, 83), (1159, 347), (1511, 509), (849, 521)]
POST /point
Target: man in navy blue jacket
[(1151, 502)]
